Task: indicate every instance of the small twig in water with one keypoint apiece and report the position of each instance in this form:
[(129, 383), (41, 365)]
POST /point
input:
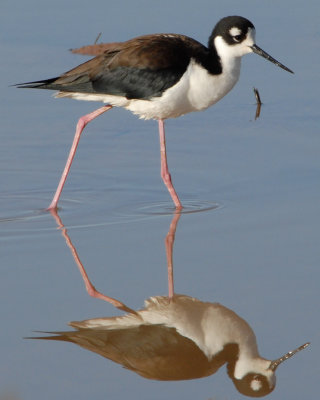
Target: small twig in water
[(256, 93), (259, 103)]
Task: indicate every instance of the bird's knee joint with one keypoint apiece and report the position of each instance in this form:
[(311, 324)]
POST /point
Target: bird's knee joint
[(166, 177), (82, 123)]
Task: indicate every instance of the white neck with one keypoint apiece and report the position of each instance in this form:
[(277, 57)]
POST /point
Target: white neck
[(230, 61)]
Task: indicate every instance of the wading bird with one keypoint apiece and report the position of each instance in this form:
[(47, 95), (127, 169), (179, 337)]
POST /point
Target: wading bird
[(158, 76)]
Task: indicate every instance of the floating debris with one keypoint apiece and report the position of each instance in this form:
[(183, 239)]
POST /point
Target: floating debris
[(259, 103)]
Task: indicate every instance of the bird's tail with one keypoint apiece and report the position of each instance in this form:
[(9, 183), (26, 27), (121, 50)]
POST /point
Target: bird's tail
[(44, 84)]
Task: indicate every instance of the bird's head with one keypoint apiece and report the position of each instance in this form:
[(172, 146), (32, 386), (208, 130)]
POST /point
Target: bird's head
[(234, 37), (256, 377)]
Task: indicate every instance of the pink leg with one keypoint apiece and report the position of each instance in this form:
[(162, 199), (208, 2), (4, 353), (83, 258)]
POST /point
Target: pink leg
[(165, 174), (83, 121), (92, 291), (169, 240)]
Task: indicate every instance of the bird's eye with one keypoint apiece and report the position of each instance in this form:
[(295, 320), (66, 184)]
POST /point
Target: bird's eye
[(237, 38)]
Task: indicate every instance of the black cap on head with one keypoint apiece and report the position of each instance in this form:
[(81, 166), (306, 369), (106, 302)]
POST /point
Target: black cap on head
[(225, 24)]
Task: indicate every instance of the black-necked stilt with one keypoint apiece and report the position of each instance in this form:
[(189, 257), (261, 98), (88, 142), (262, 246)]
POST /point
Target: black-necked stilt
[(176, 337), (158, 76)]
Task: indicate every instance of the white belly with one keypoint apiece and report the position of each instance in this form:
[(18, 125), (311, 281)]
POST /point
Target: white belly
[(195, 91)]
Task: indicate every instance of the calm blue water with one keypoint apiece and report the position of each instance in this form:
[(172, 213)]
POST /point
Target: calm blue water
[(257, 253)]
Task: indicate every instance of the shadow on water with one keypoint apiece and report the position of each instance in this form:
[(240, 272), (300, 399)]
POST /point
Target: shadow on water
[(174, 337)]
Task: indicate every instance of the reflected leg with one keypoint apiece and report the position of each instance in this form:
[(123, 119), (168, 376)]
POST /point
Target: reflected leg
[(169, 241), (92, 291)]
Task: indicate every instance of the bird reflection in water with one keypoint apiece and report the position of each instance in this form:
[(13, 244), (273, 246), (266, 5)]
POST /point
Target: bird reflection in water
[(175, 337)]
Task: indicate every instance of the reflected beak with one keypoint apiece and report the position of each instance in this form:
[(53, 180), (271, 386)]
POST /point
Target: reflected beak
[(274, 364), (256, 49)]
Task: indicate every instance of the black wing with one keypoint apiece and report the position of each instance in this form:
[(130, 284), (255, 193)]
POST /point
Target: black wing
[(140, 68)]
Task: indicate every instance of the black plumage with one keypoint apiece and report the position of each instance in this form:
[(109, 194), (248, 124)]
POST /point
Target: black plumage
[(140, 68)]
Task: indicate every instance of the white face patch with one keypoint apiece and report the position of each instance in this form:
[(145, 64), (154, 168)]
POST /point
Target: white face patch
[(256, 385), (234, 31), (251, 34)]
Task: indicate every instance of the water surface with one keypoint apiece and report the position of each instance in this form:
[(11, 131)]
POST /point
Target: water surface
[(253, 249)]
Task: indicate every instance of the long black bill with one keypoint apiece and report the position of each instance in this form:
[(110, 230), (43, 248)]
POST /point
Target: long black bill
[(256, 49)]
